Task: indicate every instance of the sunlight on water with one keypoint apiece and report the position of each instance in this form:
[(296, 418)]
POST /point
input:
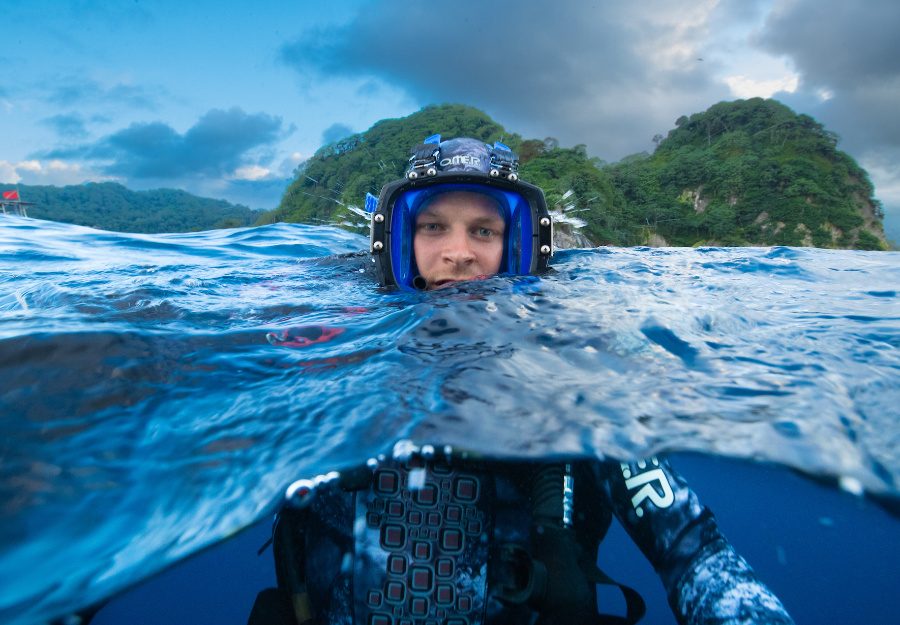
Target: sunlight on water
[(158, 393)]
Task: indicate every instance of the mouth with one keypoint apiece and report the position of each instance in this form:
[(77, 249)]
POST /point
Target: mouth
[(447, 282)]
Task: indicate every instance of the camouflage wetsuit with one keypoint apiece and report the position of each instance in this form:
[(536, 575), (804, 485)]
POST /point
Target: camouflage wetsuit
[(433, 543), (706, 581)]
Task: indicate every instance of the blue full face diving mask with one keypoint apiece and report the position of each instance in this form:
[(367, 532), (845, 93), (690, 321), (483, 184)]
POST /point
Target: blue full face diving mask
[(466, 165)]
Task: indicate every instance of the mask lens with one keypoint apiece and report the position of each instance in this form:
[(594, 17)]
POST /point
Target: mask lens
[(513, 207)]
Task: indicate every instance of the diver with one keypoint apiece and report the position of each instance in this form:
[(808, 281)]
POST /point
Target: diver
[(437, 536)]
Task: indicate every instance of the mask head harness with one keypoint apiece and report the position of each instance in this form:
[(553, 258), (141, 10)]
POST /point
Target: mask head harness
[(467, 165)]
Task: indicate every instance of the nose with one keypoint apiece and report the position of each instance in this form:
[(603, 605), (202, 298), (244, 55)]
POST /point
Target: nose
[(457, 249)]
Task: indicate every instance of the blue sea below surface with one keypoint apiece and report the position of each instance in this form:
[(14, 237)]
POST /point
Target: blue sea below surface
[(158, 393)]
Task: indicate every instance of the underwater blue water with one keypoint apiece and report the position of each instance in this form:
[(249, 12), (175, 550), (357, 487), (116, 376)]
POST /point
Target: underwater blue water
[(157, 393), (828, 555)]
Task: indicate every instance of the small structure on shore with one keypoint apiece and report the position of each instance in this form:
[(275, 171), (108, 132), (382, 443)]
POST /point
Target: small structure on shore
[(11, 203)]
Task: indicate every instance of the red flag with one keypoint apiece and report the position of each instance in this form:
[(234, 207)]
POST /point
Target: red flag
[(11, 195)]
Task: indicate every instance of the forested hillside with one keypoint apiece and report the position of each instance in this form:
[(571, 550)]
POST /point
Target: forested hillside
[(749, 172), (110, 206), (342, 173), (753, 172)]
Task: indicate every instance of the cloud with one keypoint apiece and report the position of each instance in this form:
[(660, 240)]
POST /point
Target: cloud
[(848, 57), (746, 87), (838, 46), (254, 185), (32, 166), (217, 145), (369, 89), (885, 173), (47, 172), (252, 172), (68, 91), (8, 173), (336, 132), (71, 126), (265, 193), (5, 102), (608, 74), (287, 168)]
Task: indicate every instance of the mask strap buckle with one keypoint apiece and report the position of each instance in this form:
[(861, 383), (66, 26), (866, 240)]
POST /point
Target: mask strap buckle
[(504, 162), (423, 161)]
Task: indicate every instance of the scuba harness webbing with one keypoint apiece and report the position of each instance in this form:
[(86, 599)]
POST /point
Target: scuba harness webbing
[(425, 550)]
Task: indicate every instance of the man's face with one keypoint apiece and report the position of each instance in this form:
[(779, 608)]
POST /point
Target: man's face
[(459, 236)]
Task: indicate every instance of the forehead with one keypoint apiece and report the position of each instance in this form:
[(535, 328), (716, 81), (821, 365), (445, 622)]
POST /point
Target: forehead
[(468, 203)]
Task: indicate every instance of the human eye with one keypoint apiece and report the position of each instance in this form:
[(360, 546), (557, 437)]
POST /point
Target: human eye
[(484, 232), (428, 226)]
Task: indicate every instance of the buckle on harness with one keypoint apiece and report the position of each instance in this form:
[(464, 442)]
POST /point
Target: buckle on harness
[(517, 578)]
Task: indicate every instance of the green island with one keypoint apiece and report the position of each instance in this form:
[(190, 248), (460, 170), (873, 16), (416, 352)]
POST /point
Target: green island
[(111, 206), (748, 172)]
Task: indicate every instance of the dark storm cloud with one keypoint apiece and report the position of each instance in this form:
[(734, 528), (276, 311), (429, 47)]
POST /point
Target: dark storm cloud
[(600, 73), (852, 51), (838, 46), (848, 58), (215, 146), (335, 132), (70, 126)]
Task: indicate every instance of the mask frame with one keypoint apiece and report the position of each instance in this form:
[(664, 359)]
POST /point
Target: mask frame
[(527, 240)]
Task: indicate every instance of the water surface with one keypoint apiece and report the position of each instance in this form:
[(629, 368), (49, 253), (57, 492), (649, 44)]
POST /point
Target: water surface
[(157, 393)]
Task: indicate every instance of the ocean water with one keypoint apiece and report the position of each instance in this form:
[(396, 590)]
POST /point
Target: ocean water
[(158, 393)]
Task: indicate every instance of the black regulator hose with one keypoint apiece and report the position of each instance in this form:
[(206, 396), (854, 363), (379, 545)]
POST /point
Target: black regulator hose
[(561, 591), (547, 495)]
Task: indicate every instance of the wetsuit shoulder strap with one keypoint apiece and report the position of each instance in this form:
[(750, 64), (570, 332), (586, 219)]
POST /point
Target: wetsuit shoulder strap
[(593, 523), (635, 606), (290, 561), (288, 603)]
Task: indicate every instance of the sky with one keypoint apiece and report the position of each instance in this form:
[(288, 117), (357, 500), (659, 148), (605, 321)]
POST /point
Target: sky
[(226, 99)]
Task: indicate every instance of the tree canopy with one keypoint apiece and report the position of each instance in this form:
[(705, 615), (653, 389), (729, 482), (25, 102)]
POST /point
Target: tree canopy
[(340, 174), (110, 206), (749, 172), (752, 172)]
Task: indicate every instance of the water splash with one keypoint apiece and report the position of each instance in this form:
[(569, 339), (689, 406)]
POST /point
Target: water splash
[(567, 226)]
